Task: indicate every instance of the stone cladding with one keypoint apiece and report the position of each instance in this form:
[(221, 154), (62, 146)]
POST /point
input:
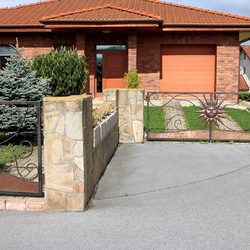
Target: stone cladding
[(130, 103), (72, 166)]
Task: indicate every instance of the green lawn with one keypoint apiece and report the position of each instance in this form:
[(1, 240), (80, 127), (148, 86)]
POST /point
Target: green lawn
[(237, 115), (242, 117), (5, 151), (157, 120)]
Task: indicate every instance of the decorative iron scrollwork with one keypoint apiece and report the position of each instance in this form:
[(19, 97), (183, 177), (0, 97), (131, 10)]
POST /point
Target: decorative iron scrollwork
[(25, 118)]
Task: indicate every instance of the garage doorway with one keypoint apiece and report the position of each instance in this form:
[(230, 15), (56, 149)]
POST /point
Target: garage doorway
[(189, 68)]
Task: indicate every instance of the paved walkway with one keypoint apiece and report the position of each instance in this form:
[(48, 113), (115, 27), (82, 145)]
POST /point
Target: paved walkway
[(152, 196), (174, 116), (27, 167)]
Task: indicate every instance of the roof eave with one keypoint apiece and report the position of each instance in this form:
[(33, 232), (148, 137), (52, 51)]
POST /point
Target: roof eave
[(21, 25), (206, 25)]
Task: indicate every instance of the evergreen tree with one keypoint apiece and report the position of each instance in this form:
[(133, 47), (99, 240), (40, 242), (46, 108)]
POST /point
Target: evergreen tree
[(66, 70), (18, 83)]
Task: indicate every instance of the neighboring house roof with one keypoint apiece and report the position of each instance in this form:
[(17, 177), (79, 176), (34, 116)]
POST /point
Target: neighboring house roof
[(243, 84), (171, 13), (246, 48)]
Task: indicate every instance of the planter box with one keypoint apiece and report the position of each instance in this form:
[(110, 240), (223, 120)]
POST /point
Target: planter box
[(101, 130)]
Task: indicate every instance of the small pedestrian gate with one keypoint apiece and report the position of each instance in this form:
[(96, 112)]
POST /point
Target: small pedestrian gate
[(192, 116), (20, 148)]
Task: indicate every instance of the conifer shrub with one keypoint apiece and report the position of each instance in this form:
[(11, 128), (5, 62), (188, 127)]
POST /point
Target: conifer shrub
[(18, 83), (66, 70), (132, 79)]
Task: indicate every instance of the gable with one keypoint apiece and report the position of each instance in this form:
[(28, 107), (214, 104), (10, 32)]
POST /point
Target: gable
[(103, 13)]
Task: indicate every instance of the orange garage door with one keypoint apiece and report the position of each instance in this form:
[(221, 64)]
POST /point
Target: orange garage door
[(188, 69)]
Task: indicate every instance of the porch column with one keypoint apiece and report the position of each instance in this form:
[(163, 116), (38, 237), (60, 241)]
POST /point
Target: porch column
[(80, 43), (132, 50)]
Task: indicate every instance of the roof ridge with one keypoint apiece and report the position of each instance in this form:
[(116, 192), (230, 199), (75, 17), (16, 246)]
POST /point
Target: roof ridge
[(30, 4), (101, 7), (199, 9)]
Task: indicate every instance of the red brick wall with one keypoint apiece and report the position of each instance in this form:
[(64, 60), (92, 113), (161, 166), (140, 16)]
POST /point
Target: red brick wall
[(80, 43), (132, 50), (227, 70), (148, 52)]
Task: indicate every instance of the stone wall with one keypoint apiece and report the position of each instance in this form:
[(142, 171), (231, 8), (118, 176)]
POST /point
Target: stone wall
[(130, 103), (72, 167)]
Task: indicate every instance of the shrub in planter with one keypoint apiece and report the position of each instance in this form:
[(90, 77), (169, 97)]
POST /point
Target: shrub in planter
[(132, 79)]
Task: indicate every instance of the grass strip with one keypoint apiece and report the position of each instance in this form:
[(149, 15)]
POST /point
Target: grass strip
[(6, 155), (157, 119), (241, 117)]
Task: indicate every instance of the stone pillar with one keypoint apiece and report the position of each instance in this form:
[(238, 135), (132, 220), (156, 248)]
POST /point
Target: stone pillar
[(67, 150), (130, 103), (132, 50), (80, 43), (111, 96)]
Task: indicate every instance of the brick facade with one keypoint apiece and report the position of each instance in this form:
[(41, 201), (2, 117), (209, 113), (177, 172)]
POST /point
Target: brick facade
[(143, 52), (227, 57), (132, 50)]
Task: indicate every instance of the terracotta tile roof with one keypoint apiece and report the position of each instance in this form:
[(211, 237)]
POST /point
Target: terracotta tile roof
[(246, 48), (243, 84), (107, 12), (171, 13)]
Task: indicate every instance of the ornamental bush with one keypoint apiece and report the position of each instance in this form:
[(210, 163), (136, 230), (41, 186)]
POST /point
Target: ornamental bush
[(18, 83), (66, 70), (132, 79)]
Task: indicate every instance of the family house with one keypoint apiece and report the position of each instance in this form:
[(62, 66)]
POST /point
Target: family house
[(244, 67), (174, 47)]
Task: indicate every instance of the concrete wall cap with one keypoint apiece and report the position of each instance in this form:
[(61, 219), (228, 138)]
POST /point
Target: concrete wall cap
[(72, 98), (122, 89)]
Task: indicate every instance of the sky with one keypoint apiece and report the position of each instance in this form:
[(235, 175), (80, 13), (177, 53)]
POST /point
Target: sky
[(236, 7)]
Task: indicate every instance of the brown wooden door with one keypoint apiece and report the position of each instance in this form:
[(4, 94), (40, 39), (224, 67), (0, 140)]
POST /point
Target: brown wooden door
[(113, 69)]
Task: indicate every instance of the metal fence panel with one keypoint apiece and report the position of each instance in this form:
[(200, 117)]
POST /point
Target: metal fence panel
[(20, 148), (209, 116)]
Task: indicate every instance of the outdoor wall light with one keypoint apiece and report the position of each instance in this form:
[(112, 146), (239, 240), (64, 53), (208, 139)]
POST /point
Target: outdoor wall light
[(106, 31)]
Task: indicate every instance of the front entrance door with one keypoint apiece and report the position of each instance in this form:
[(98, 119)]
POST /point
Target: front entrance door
[(110, 69)]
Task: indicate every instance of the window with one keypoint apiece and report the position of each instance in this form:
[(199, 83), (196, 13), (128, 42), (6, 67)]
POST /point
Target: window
[(110, 47), (244, 70), (4, 52), (67, 47), (99, 58)]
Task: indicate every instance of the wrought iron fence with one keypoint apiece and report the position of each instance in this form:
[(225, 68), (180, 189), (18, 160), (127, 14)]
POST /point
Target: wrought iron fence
[(209, 116), (20, 148)]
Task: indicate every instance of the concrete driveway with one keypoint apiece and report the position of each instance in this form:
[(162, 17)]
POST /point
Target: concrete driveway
[(152, 196)]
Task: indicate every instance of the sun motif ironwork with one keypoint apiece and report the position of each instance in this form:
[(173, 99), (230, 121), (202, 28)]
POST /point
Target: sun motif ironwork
[(211, 111)]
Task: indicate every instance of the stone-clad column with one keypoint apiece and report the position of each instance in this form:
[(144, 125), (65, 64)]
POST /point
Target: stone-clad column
[(67, 142), (130, 103)]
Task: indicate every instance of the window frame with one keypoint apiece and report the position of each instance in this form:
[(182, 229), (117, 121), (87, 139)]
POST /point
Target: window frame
[(4, 55)]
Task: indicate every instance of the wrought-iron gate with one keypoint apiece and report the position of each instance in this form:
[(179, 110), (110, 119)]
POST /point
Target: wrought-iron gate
[(20, 148), (191, 116)]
